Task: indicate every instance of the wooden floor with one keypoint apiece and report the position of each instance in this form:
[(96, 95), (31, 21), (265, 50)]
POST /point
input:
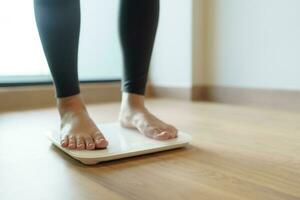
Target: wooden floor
[(236, 153)]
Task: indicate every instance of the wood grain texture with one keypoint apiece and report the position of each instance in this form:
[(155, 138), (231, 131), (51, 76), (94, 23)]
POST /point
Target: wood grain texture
[(265, 98), (236, 153), (41, 96), (262, 97)]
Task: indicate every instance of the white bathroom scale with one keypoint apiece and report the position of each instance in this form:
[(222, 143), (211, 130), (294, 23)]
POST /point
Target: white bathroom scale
[(123, 142)]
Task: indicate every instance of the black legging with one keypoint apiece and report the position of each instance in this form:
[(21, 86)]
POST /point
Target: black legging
[(58, 22)]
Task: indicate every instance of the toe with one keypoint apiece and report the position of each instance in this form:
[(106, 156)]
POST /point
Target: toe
[(172, 132), (80, 144), (89, 143), (100, 141), (72, 142), (64, 141), (164, 135)]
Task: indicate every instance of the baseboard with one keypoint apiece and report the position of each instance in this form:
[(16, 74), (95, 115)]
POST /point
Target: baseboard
[(183, 93), (29, 97), (268, 98)]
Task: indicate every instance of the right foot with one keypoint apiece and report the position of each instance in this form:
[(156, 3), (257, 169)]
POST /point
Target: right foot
[(77, 129), (134, 114)]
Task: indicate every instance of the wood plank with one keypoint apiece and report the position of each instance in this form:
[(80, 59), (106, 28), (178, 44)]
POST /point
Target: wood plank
[(236, 153)]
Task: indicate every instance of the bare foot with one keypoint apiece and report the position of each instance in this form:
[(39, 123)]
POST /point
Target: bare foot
[(78, 131), (133, 114)]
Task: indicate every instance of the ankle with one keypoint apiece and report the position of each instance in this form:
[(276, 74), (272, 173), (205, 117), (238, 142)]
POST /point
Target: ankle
[(133, 102), (71, 104)]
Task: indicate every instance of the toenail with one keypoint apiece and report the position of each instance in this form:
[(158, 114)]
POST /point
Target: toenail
[(100, 140)]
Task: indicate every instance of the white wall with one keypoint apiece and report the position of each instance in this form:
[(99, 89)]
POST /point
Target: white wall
[(172, 55), (172, 62), (253, 43), (20, 48), (99, 50)]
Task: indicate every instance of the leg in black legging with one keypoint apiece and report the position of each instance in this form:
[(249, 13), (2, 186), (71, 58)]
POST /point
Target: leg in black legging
[(137, 24), (58, 23), (59, 26)]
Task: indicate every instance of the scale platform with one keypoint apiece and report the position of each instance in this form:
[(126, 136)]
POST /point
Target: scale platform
[(123, 143)]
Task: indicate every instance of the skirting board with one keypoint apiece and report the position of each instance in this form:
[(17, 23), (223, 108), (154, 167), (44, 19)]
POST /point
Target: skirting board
[(267, 98), (29, 97), (182, 93)]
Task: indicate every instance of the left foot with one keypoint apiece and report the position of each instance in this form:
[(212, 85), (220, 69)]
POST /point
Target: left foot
[(134, 114)]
